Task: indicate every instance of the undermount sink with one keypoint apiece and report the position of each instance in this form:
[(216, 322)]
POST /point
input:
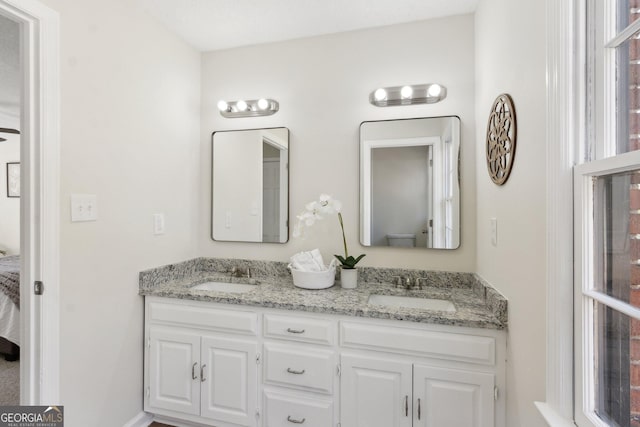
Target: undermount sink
[(235, 288), (412, 302)]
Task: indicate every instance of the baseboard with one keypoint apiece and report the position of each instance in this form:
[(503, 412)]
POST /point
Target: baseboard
[(143, 419)]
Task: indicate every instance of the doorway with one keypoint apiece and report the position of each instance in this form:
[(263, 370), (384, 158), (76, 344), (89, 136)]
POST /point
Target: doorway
[(38, 28), (9, 212)]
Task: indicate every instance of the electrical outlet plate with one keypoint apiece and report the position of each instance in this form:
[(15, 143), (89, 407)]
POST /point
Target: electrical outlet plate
[(84, 207), (494, 231)]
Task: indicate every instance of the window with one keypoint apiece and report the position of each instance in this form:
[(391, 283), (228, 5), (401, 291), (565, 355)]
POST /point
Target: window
[(607, 218)]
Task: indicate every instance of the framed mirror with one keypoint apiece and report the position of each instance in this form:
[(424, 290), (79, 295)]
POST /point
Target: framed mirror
[(409, 183), (250, 185)]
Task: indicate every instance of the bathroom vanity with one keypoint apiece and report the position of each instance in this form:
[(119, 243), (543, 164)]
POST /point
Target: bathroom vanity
[(277, 355)]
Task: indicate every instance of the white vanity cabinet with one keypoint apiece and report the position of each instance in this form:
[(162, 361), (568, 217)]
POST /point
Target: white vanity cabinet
[(300, 370), (233, 365), (448, 397), (201, 363), (435, 378), (376, 392), (381, 392)]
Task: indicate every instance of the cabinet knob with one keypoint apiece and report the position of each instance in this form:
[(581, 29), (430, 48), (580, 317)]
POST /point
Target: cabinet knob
[(193, 371), (293, 420), (419, 409), (406, 406), (202, 378), (292, 371)]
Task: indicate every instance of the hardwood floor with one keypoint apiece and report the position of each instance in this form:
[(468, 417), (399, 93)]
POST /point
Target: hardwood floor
[(154, 424)]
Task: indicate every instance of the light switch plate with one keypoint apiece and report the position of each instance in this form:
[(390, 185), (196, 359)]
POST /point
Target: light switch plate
[(84, 207)]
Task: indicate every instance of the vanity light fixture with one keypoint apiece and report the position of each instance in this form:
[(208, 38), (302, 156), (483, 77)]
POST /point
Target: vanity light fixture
[(406, 92), (407, 95), (250, 108)]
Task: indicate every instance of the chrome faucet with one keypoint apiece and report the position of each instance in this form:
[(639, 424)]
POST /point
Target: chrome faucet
[(407, 282), (240, 272)]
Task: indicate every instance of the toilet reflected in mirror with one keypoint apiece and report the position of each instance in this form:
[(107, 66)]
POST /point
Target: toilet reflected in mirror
[(409, 189), (402, 240)]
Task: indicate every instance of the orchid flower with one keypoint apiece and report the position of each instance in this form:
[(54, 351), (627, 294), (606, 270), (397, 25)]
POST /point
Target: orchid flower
[(317, 210)]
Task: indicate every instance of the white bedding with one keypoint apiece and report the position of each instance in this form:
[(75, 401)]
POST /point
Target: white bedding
[(9, 320)]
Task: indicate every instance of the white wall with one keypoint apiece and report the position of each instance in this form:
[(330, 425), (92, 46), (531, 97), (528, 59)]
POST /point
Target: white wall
[(9, 206), (323, 84), (130, 97), (510, 52)]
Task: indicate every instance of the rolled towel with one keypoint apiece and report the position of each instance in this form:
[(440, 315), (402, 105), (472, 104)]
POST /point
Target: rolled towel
[(308, 261)]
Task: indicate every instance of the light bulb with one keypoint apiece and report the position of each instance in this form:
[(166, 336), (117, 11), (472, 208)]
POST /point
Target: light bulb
[(241, 105), (434, 90), (222, 105), (406, 92), (263, 104), (380, 94)]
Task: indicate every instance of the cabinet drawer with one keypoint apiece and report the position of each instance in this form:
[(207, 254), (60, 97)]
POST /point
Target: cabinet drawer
[(450, 346), (305, 329), (304, 367), (204, 317), (285, 410)]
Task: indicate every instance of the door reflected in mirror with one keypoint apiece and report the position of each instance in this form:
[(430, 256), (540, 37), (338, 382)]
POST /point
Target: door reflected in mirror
[(250, 185), (409, 189)]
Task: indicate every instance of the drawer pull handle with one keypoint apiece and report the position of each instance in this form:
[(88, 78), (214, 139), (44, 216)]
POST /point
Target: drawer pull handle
[(293, 420), (193, 371), (418, 408), (202, 378), (295, 331), (291, 371), (406, 406)]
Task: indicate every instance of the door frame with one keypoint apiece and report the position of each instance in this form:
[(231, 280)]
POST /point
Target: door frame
[(40, 196), (565, 128)]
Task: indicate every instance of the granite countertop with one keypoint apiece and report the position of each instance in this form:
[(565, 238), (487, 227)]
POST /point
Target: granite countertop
[(477, 303)]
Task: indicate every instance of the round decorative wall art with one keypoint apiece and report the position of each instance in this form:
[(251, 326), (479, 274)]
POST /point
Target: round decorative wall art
[(501, 139)]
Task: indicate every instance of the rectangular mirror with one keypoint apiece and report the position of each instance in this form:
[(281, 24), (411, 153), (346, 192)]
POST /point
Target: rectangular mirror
[(250, 185), (409, 189)]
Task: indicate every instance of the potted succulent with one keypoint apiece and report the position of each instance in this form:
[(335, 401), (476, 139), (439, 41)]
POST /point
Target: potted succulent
[(317, 210)]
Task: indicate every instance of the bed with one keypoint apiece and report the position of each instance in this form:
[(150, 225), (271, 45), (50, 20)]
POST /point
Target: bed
[(10, 307)]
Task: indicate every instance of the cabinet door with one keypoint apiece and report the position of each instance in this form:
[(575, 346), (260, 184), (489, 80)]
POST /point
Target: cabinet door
[(173, 370), (446, 397), (375, 392), (229, 380)]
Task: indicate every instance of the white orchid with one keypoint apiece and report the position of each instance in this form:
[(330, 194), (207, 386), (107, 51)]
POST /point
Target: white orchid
[(317, 210)]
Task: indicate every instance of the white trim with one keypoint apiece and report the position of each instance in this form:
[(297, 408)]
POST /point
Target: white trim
[(583, 313), (624, 35), (613, 303), (564, 124), (552, 417), (40, 198), (143, 419), (586, 235), (610, 165)]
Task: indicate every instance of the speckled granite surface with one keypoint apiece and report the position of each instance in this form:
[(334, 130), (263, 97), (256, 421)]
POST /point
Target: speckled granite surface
[(477, 303)]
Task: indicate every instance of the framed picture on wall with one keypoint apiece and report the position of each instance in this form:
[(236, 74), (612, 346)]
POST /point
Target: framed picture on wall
[(13, 179)]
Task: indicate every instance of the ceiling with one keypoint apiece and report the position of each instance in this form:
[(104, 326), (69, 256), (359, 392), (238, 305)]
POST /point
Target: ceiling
[(221, 24)]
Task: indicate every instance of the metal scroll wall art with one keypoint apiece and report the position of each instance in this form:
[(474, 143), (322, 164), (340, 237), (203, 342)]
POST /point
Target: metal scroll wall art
[(501, 139)]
